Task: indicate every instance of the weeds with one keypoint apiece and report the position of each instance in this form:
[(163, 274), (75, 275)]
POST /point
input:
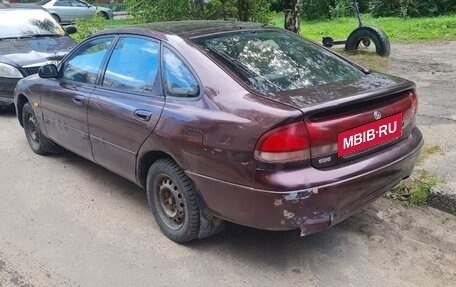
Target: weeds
[(427, 151), (416, 189)]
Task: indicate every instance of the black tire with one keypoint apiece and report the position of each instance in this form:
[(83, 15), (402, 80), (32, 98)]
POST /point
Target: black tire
[(104, 15), (36, 139), (173, 201), (364, 34), (57, 18), (328, 42)]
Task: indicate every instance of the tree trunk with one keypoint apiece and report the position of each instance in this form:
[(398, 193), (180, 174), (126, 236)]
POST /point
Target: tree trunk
[(243, 10), (292, 15)]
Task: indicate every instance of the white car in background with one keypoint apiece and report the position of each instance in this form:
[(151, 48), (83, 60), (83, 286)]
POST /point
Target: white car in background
[(67, 11)]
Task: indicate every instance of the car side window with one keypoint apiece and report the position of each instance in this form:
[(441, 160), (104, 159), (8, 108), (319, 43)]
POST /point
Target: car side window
[(133, 65), (178, 79), (79, 4), (84, 64), (62, 3)]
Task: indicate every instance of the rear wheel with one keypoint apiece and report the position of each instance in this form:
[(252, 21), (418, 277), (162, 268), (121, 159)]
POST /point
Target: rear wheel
[(173, 201), (36, 139), (362, 38)]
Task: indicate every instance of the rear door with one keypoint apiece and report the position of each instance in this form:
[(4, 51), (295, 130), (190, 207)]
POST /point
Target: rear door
[(81, 9), (64, 10), (64, 102), (126, 105)]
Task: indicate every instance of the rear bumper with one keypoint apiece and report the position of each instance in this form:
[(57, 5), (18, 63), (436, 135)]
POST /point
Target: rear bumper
[(331, 197)]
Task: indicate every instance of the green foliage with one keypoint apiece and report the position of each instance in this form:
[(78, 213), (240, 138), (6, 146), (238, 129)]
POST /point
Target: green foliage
[(314, 9), (411, 8), (330, 9), (161, 10), (260, 11), (415, 190), (340, 8), (165, 10), (220, 9), (88, 27)]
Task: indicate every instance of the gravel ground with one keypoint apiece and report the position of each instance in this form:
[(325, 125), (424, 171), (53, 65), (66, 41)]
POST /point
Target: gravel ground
[(433, 67)]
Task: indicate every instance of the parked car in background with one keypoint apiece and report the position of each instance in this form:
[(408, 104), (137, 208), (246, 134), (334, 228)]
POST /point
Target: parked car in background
[(29, 38), (227, 121), (67, 11)]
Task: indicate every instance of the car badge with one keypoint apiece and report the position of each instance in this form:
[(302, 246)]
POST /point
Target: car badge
[(377, 115)]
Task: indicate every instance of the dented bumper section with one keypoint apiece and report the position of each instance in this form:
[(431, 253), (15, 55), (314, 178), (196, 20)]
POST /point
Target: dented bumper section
[(325, 198)]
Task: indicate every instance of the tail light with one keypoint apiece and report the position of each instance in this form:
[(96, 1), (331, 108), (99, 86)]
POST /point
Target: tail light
[(284, 144), (323, 128), (410, 115)]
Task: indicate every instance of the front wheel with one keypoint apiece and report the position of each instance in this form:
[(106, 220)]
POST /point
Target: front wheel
[(36, 139), (362, 38), (173, 201)]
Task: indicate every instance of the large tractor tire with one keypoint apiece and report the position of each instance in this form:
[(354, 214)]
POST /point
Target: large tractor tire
[(365, 36)]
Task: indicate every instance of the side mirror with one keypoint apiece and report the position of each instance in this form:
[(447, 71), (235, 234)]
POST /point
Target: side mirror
[(70, 29), (48, 71)]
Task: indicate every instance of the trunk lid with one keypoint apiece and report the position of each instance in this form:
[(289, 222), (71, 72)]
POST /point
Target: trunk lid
[(334, 109)]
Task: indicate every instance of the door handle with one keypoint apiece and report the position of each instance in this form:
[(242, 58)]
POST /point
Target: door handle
[(143, 115), (79, 100)]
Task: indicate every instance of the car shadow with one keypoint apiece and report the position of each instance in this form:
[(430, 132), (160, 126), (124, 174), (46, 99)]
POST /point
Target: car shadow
[(274, 249), (97, 173)]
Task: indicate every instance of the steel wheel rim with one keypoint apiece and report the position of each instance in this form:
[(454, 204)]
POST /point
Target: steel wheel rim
[(33, 129), (171, 205)]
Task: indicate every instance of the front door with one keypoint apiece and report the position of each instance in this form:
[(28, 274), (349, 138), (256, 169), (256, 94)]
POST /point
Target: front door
[(126, 106), (82, 10), (64, 103)]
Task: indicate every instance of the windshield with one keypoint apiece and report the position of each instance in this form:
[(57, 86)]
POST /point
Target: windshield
[(19, 23), (274, 60)]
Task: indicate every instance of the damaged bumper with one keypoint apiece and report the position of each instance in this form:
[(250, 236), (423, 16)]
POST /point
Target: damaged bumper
[(316, 199)]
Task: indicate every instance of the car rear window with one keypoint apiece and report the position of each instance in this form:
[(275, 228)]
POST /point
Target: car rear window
[(274, 60)]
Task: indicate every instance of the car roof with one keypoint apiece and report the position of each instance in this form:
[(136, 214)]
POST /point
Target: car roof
[(9, 6), (186, 29)]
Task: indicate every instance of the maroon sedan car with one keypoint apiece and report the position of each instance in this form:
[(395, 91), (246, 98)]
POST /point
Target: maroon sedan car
[(227, 121)]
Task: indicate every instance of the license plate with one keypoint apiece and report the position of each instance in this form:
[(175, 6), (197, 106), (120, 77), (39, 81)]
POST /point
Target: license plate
[(370, 135)]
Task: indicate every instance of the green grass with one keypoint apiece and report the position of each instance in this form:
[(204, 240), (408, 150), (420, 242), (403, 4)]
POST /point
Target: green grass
[(427, 151), (397, 29), (416, 189)]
